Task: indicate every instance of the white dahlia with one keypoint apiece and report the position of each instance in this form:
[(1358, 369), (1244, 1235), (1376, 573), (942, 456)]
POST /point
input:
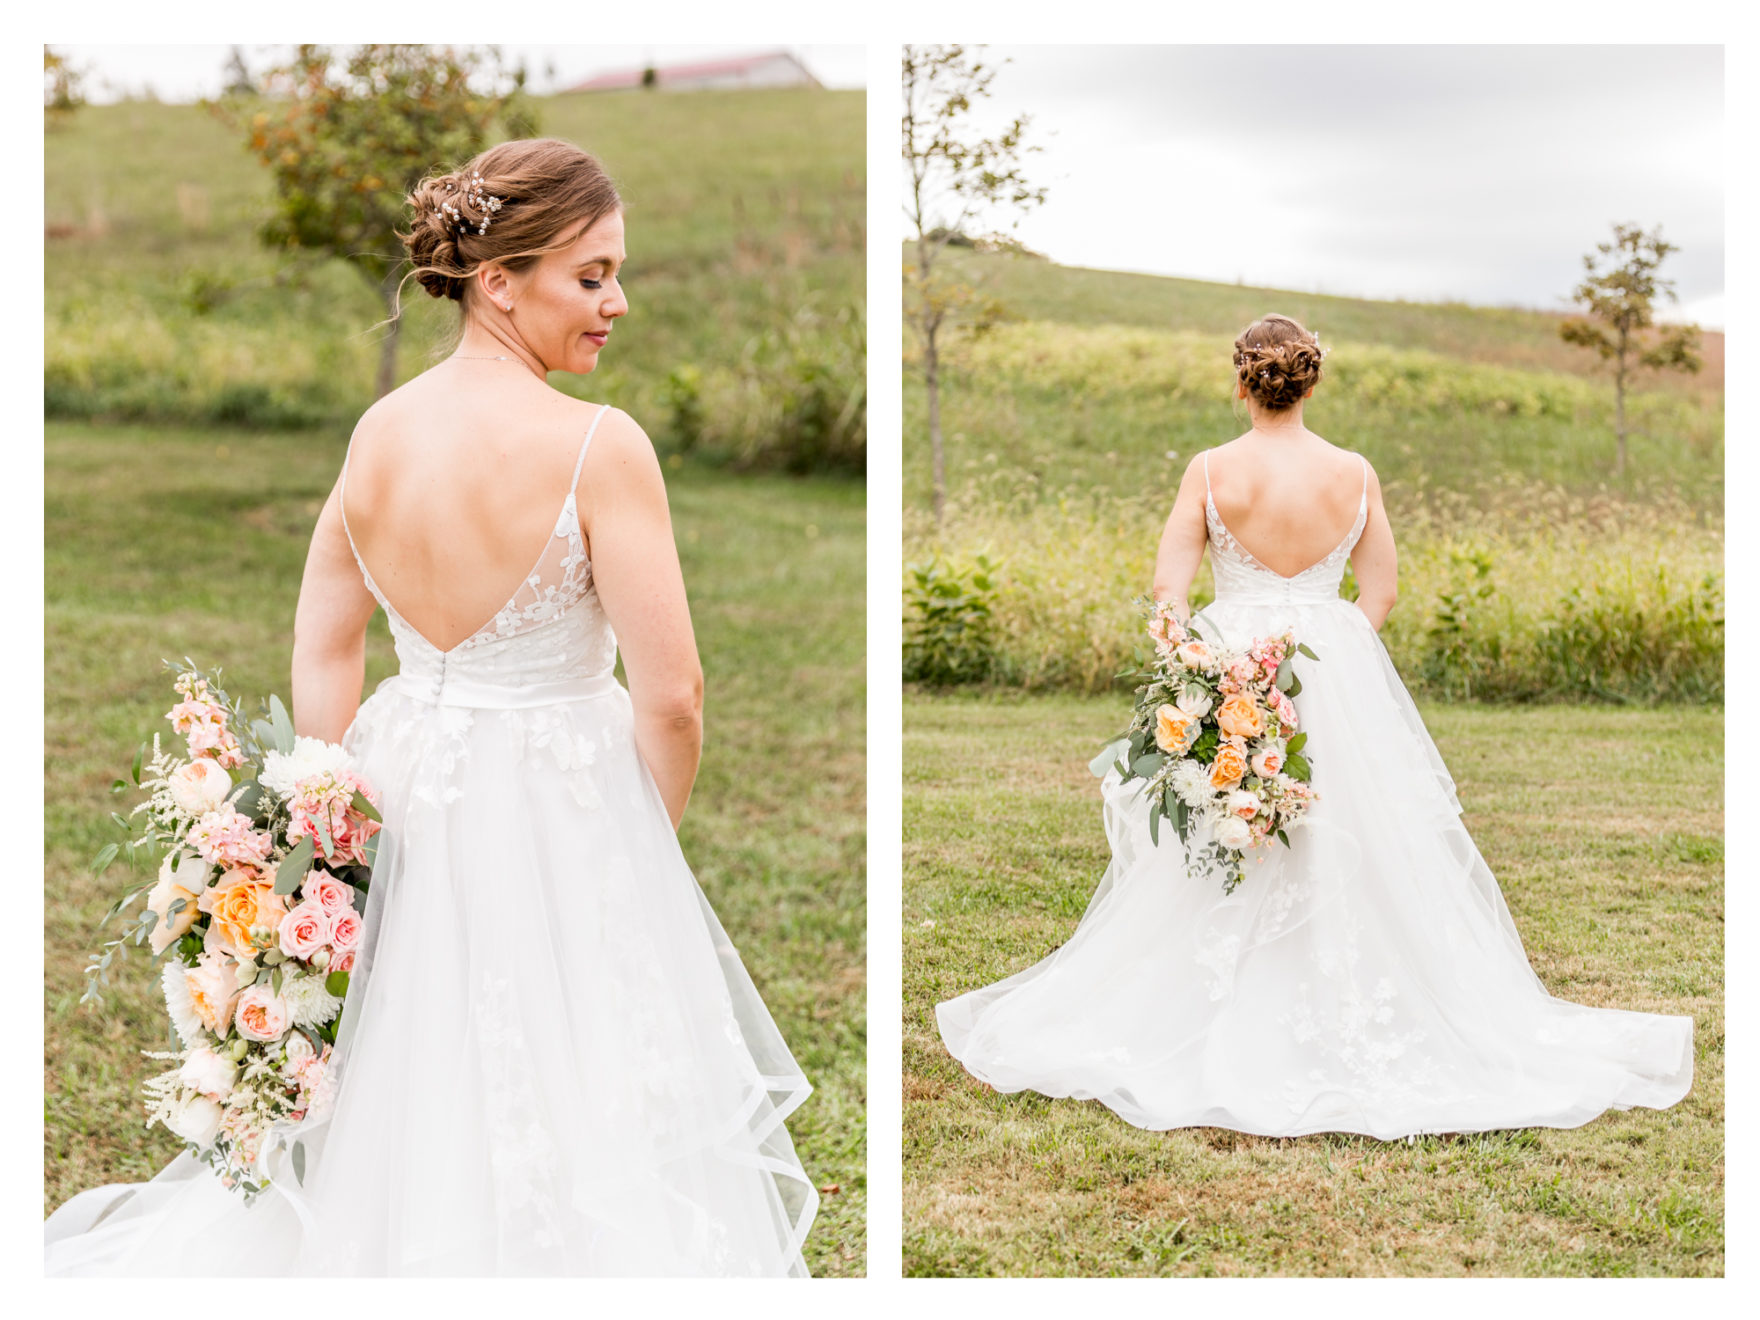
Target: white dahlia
[(308, 1002), (177, 1003), (1190, 783), (309, 757)]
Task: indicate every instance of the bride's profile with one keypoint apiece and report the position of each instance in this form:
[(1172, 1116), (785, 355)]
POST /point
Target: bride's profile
[(1366, 979), (551, 1058)]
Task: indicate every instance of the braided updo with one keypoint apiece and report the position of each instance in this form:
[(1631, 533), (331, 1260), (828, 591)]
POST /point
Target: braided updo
[(1278, 360), (510, 204)]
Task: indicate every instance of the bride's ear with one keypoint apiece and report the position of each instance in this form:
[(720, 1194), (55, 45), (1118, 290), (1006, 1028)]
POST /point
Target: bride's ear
[(493, 283)]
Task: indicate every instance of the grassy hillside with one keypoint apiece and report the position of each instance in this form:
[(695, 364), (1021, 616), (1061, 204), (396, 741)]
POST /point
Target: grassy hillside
[(746, 235), (1527, 572), (163, 542)]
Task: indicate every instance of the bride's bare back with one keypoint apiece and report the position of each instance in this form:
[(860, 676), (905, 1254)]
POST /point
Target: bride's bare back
[(453, 488), (1289, 502)]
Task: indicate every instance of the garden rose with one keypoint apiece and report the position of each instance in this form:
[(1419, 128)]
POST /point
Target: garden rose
[(213, 991), (304, 930), (1233, 832), (1268, 760), (196, 1119), (261, 1014), (1194, 700), (210, 1073), (1175, 730), (181, 875), (1244, 804), (1230, 765), (243, 899), (1193, 654), (200, 786), (1284, 709), (1240, 717)]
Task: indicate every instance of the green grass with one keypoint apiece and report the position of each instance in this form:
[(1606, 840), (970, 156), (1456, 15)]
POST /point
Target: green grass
[(165, 542), (1617, 906), (746, 220)]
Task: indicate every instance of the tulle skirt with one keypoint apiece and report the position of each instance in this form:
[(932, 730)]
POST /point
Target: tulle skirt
[(1368, 979), (552, 1061)]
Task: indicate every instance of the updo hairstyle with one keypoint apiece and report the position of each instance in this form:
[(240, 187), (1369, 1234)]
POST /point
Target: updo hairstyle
[(511, 204), (1278, 360)]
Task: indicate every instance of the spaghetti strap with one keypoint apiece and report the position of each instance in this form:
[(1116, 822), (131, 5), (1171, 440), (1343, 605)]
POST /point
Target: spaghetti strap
[(582, 457)]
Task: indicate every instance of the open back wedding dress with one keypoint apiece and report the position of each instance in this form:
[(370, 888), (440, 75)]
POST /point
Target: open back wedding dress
[(1368, 979), (552, 1060)]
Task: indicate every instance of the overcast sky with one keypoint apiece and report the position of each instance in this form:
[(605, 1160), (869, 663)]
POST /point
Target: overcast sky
[(184, 73), (1480, 173)]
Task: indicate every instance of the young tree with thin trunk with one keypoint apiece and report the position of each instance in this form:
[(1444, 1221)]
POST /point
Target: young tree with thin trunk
[(345, 137), (952, 177), (1619, 294)]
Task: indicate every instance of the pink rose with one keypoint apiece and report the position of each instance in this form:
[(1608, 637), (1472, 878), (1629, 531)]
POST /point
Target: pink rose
[(304, 930), (343, 962), (328, 893), (261, 1014), (345, 937), (1268, 760)]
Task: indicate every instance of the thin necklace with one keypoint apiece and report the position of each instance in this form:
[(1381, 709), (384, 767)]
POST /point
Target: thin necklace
[(477, 357)]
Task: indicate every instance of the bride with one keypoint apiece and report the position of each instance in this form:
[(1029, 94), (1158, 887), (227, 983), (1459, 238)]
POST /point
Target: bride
[(1369, 978), (552, 1060)]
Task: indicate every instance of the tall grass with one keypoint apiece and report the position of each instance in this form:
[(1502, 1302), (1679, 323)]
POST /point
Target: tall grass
[(746, 338), (1515, 593)]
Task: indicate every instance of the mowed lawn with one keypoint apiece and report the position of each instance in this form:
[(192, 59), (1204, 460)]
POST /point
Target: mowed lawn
[(161, 542), (1619, 900)]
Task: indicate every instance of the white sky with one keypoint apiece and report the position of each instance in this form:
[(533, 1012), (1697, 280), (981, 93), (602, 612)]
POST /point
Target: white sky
[(184, 72), (1480, 173)]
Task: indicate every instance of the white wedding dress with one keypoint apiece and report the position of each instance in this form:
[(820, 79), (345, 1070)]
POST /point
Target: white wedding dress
[(552, 1061), (1367, 979)]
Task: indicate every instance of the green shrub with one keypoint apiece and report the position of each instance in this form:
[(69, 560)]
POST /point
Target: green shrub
[(950, 621)]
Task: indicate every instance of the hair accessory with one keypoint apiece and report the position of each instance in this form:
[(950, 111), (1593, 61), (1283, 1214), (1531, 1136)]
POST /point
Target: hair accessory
[(474, 194)]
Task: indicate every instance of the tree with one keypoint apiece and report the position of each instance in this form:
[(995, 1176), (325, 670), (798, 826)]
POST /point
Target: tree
[(238, 75), (63, 92), (952, 179), (347, 137), (1619, 293)]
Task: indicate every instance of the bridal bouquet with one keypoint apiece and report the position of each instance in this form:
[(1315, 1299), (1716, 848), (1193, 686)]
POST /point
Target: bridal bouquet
[(266, 843), (1214, 738)]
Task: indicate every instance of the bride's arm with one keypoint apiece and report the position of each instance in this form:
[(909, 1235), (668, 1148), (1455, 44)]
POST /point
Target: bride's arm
[(635, 566), (1182, 541), (329, 632), (1375, 561)]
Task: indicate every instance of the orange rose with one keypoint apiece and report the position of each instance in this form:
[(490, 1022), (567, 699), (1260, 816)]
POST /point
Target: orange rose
[(1175, 730), (1229, 767), (1240, 717), (241, 899)]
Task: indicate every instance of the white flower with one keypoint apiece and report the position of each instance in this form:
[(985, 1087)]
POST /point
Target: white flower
[(210, 1073), (177, 1003), (195, 1118), (199, 787), (181, 876), (1194, 700), (308, 1002), (1190, 783), (1233, 832), (310, 757)]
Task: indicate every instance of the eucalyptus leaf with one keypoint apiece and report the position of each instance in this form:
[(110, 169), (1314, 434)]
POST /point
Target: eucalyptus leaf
[(1154, 822), (1101, 763), (1295, 685), (294, 866), (284, 737), (106, 855), (1284, 837), (140, 755), (1305, 650), (1146, 765), (1285, 677), (275, 980), (362, 804)]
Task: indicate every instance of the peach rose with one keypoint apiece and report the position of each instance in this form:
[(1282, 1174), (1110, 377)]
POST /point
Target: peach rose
[(1175, 730), (1243, 804), (1240, 717), (199, 787), (261, 1014), (1233, 832), (1268, 760), (1229, 767), (1193, 654), (184, 876), (243, 899), (213, 992), (304, 930)]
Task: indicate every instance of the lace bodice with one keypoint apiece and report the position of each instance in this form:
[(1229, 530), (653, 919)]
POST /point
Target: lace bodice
[(1239, 576), (551, 631)]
